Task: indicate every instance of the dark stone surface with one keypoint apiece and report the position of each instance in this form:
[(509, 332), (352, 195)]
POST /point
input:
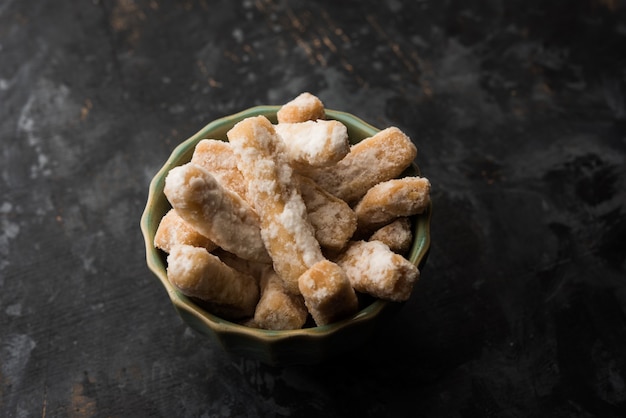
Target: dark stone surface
[(519, 113)]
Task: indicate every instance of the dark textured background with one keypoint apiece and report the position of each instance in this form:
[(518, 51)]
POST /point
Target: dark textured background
[(518, 110)]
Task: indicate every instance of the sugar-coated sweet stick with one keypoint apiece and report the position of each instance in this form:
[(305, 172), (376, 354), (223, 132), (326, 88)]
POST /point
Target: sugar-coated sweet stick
[(374, 269), (285, 228), (333, 220), (199, 274), (327, 293), (314, 143), (173, 230), (215, 212), (217, 157), (397, 235), (302, 108), (277, 308), (375, 159), (391, 199)]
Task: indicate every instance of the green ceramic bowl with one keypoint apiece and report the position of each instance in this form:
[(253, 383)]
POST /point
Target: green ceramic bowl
[(278, 348)]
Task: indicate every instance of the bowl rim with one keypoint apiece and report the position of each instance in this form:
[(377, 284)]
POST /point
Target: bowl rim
[(419, 250)]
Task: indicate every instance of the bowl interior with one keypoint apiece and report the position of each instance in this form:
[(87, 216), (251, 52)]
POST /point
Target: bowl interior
[(158, 205)]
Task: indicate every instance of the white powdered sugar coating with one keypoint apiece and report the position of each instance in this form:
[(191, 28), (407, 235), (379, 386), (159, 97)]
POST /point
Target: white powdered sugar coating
[(265, 186), (265, 177), (385, 187), (292, 218), (304, 101), (313, 291), (314, 143), (376, 261), (285, 173), (373, 268), (181, 262), (174, 182), (321, 293)]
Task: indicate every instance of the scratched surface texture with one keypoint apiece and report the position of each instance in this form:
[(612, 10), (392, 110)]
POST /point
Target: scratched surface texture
[(518, 109)]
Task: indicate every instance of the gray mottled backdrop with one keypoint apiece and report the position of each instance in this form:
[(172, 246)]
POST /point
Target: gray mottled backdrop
[(519, 115)]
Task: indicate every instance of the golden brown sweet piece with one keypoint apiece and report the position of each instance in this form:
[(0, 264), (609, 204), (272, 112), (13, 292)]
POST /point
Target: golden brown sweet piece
[(278, 309), (333, 220), (381, 157), (376, 270), (327, 293), (253, 268), (199, 274), (173, 230), (304, 107), (285, 228), (215, 212), (396, 235), (391, 199), (217, 157), (314, 143)]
